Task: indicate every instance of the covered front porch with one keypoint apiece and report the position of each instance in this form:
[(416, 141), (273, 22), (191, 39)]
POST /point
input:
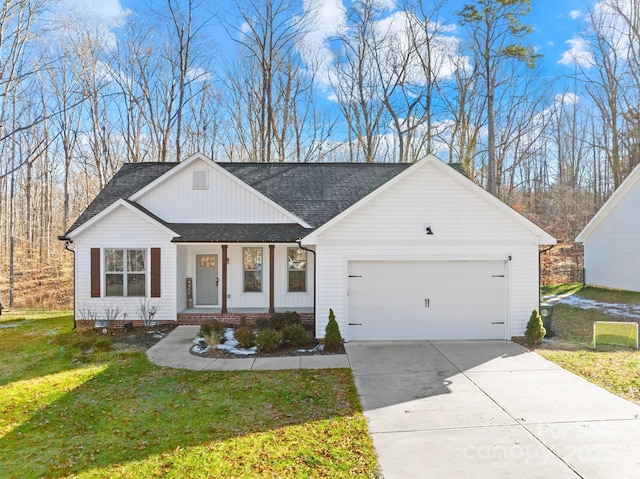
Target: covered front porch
[(243, 281)]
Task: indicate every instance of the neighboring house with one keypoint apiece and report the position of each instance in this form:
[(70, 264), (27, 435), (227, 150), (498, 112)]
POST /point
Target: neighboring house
[(398, 251), (612, 239)]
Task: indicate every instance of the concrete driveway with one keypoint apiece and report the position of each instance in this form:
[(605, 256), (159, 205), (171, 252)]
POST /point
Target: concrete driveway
[(489, 409)]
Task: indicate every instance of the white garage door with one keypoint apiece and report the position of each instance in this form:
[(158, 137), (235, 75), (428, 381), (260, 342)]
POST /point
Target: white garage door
[(426, 300)]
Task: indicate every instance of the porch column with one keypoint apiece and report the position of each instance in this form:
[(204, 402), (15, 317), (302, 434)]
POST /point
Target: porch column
[(224, 279), (272, 308)]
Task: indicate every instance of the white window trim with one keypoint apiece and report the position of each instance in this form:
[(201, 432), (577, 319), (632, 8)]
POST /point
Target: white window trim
[(125, 292)]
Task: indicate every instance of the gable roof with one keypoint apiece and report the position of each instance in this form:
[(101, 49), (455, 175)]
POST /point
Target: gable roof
[(319, 194), (129, 179), (610, 204), (243, 184), (542, 236), (315, 192), (312, 192)]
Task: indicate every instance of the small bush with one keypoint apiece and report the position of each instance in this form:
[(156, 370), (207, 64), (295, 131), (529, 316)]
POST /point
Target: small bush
[(213, 332), (268, 340), (263, 323), (245, 336), (295, 334), (332, 336), (280, 320), (535, 329)]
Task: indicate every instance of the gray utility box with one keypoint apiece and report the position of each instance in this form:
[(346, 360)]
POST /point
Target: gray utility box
[(546, 311)]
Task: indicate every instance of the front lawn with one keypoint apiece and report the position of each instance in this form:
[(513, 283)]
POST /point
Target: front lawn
[(72, 406), (616, 369)]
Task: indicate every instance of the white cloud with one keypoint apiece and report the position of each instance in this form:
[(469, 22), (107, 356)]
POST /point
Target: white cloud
[(75, 19), (575, 14), (108, 13), (577, 53), (566, 98)]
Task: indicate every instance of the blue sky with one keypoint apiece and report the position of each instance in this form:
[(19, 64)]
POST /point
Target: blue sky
[(557, 23)]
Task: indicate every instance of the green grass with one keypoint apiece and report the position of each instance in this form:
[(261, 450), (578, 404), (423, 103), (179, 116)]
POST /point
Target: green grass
[(614, 368), (560, 289), (72, 407)]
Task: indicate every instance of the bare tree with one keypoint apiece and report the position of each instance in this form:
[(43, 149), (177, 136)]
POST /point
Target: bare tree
[(492, 25), (356, 81)]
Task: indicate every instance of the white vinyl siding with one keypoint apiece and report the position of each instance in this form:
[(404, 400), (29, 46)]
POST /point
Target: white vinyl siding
[(124, 229), (391, 228), (224, 201), (612, 248)]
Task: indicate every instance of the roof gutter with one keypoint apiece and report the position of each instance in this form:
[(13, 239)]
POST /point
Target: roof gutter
[(67, 243), (315, 276)]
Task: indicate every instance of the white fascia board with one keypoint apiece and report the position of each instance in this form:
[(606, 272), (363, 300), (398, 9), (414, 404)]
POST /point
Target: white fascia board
[(107, 211), (214, 165), (610, 204), (543, 238)]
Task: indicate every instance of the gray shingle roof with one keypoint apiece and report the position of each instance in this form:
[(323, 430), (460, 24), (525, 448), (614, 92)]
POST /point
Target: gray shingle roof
[(129, 179), (231, 233), (315, 192)]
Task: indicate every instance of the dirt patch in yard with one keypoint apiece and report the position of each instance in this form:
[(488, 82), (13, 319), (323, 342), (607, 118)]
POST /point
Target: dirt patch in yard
[(139, 339)]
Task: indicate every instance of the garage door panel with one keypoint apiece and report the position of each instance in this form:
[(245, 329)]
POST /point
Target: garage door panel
[(427, 300)]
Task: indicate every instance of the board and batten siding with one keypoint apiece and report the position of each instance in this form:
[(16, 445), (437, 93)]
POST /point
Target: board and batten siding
[(612, 248), (224, 201), (236, 297), (124, 229), (391, 227)]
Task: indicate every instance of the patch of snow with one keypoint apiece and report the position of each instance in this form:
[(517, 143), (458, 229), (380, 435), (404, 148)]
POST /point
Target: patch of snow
[(10, 325), (236, 350), (230, 345), (200, 348), (631, 311), (319, 347)]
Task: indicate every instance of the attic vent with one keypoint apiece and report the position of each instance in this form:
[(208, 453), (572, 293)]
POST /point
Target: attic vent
[(200, 180)]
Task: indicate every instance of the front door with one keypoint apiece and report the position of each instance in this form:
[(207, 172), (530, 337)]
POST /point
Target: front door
[(206, 279)]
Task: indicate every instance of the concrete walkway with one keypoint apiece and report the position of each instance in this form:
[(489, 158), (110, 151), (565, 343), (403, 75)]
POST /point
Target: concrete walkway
[(173, 351), (489, 409)]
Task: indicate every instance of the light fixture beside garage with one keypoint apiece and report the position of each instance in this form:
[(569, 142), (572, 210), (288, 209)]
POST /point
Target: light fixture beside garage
[(427, 229)]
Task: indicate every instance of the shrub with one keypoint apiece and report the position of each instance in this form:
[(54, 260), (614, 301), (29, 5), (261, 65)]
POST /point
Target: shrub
[(332, 336), (535, 329), (295, 334), (280, 320), (245, 336), (263, 323), (268, 340), (213, 332)]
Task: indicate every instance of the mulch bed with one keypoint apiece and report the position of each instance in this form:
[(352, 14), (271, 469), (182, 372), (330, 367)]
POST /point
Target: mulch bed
[(138, 338)]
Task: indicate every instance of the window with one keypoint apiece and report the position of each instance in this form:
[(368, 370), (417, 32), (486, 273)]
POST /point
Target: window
[(252, 267), (297, 268), (125, 272), (200, 180)]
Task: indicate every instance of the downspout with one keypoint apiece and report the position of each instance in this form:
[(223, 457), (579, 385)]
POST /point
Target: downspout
[(68, 242), (315, 276), (540, 253)]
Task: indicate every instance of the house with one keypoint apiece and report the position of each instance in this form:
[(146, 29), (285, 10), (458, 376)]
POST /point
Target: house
[(611, 239), (398, 251)]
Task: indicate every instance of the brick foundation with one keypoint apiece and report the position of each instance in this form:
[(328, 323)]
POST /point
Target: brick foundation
[(195, 319), (119, 323), (233, 318)]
